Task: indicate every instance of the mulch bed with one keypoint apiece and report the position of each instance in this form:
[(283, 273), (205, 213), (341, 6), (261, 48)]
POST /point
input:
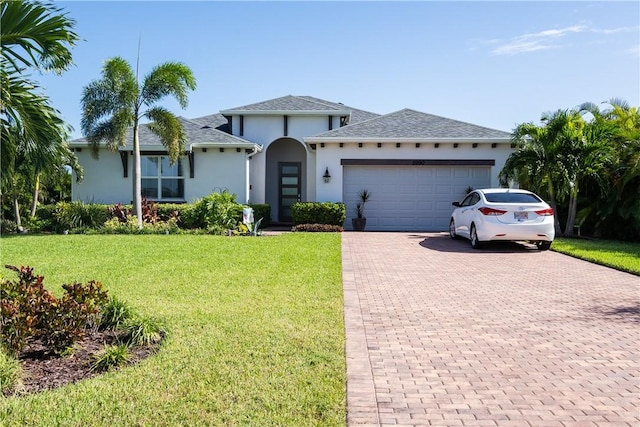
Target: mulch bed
[(43, 371)]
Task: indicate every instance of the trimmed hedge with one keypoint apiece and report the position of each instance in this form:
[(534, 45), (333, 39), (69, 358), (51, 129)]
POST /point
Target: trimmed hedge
[(262, 210), (318, 213), (318, 228)]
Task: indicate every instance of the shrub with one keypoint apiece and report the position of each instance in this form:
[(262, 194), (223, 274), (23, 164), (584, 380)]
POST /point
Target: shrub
[(79, 214), (115, 226), (111, 356), (29, 312), (46, 215), (318, 213), (218, 212), (115, 314), (8, 226), (189, 216), (144, 330), (318, 228), (10, 373), (262, 210)]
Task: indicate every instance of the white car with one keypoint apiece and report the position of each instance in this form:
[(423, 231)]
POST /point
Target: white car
[(503, 214)]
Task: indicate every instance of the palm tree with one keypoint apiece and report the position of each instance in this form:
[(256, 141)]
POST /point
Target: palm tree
[(556, 157), (116, 102), (534, 163), (619, 209), (34, 36)]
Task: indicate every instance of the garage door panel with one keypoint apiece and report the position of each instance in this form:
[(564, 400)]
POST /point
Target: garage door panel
[(411, 198)]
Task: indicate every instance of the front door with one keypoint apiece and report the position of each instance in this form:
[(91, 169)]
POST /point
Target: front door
[(289, 177)]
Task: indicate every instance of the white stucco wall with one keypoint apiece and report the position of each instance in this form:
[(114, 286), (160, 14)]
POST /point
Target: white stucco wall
[(103, 179), (331, 154), (214, 171)]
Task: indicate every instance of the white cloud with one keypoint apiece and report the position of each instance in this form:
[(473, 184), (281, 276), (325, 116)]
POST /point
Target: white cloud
[(542, 40)]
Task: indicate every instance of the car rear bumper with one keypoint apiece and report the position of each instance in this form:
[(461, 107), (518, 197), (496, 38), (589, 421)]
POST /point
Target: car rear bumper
[(510, 232)]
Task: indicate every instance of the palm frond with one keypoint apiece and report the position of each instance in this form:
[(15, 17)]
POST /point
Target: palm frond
[(169, 129), (169, 79), (36, 35)]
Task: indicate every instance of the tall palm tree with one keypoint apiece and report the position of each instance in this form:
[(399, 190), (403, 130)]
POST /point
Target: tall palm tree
[(117, 101), (34, 36)]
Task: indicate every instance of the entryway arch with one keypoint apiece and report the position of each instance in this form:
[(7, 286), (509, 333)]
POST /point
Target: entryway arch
[(285, 177)]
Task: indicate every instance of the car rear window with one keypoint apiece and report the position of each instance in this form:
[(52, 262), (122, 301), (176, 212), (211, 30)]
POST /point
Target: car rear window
[(511, 198)]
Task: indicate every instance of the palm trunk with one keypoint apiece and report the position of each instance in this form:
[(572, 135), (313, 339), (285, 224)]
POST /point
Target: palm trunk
[(554, 206), (137, 180), (34, 200), (571, 216), (16, 203), (16, 210)]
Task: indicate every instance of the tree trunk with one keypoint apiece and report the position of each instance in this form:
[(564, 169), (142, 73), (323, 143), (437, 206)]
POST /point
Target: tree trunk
[(571, 216), (16, 210), (554, 206), (137, 179), (36, 191)]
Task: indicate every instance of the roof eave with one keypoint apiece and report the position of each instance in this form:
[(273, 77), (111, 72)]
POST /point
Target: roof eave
[(337, 139), (285, 112)]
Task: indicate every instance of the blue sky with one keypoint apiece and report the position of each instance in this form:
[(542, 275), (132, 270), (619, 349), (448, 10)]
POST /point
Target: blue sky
[(495, 64)]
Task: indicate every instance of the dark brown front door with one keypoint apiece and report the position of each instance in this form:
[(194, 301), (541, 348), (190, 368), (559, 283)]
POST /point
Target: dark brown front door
[(289, 177)]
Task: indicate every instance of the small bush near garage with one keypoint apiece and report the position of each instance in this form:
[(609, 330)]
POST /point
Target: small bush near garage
[(318, 213), (323, 228)]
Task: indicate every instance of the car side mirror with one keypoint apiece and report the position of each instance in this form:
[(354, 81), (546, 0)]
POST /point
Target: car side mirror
[(456, 204)]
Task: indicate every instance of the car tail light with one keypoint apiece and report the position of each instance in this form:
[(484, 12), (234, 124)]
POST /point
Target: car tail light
[(545, 212), (491, 211)]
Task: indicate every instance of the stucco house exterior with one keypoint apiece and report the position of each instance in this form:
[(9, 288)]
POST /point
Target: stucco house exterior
[(301, 148)]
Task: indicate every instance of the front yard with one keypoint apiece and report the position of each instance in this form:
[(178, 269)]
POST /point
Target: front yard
[(256, 333)]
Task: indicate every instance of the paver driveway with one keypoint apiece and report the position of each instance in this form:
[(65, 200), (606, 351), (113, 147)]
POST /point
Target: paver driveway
[(440, 334)]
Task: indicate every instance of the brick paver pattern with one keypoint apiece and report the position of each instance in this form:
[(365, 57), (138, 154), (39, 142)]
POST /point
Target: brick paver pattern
[(439, 334)]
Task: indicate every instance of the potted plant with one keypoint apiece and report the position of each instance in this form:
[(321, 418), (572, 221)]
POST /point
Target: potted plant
[(360, 221)]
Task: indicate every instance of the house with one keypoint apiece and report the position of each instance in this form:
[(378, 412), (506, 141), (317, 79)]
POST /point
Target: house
[(300, 148)]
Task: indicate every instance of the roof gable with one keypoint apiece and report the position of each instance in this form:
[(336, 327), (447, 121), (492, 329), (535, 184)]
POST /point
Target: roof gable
[(287, 103), (412, 124)]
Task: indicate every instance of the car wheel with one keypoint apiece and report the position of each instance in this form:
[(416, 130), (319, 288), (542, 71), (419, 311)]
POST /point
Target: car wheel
[(452, 230), (473, 236), (543, 246)]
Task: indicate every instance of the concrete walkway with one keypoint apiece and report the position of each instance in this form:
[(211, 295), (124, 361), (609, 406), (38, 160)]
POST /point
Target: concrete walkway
[(440, 334)]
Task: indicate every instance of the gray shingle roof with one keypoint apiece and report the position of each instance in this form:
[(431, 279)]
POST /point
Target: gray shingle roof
[(411, 124), (199, 131), (287, 103), (357, 115)]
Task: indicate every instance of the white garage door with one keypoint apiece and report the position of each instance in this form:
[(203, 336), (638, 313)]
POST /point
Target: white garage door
[(410, 198)]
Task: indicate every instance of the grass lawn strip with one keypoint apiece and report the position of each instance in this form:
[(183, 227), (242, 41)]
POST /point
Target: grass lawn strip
[(623, 256), (256, 333)]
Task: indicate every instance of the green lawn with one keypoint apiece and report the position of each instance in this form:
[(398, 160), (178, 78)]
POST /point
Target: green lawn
[(623, 256), (256, 329)]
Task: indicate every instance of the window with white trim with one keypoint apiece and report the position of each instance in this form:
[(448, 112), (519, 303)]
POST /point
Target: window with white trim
[(160, 179)]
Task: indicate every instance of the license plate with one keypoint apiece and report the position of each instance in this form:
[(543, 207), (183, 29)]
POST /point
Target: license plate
[(521, 216)]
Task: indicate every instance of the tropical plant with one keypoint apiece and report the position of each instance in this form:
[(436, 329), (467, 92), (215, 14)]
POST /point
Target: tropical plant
[(553, 159), (111, 356), (115, 314), (364, 196), (115, 103), (144, 330), (616, 214), (34, 36)]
